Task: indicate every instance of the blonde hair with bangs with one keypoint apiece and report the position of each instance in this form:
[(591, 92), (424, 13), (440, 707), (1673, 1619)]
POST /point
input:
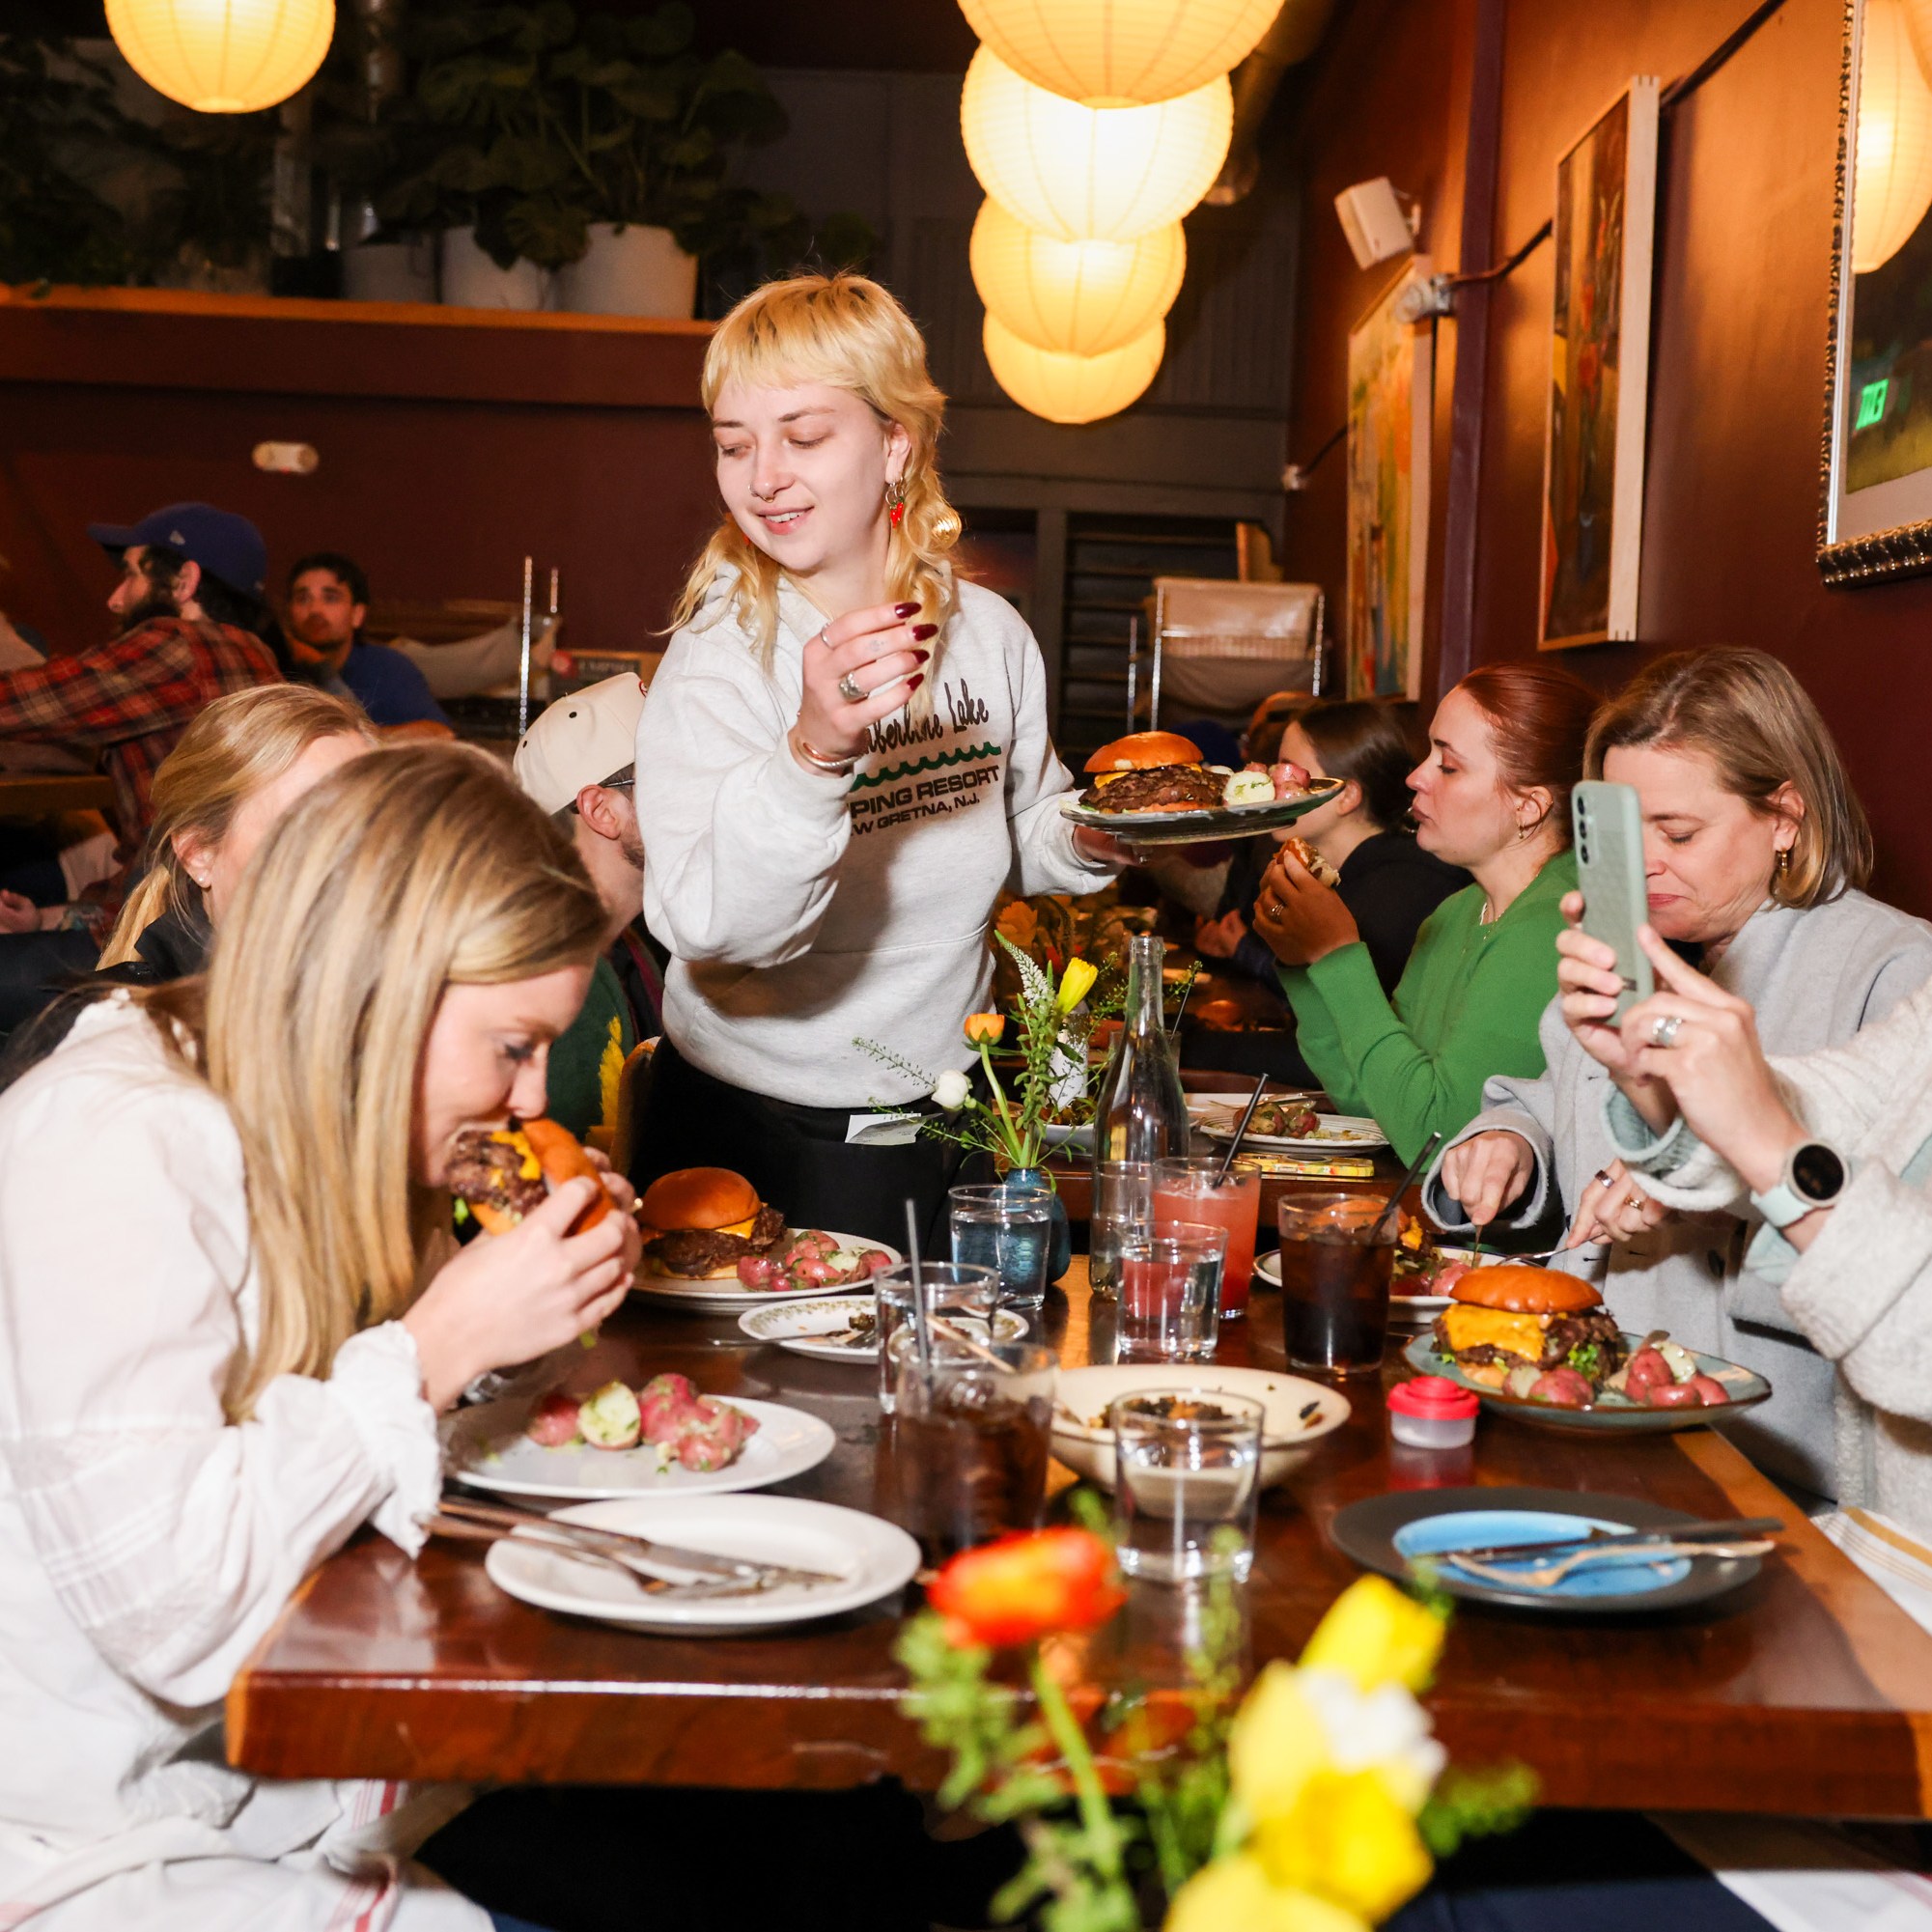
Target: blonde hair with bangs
[(234, 747), (1745, 712), (404, 873), (850, 332)]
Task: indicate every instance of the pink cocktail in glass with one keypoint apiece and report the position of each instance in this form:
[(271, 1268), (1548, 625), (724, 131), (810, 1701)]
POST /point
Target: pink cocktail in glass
[(1185, 1191)]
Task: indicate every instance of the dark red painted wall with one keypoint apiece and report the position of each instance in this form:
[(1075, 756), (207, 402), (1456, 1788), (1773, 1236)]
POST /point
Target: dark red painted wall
[(1738, 349)]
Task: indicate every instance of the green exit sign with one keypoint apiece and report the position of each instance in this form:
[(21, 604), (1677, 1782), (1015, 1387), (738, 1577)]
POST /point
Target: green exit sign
[(1871, 404)]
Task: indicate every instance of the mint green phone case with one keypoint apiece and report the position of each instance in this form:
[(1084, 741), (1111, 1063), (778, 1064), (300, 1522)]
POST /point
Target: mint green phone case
[(1609, 826)]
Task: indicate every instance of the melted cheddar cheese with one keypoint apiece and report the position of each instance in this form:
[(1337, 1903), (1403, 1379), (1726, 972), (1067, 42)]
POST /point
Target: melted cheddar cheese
[(1465, 1326), (532, 1168)]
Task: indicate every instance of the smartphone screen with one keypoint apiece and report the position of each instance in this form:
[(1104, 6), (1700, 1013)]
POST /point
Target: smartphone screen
[(1609, 826)]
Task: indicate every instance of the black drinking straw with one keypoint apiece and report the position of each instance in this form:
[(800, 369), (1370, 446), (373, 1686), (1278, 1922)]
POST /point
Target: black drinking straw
[(1234, 1145), (922, 1333)]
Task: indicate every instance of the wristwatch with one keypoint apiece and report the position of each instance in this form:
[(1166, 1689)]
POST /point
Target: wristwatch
[(1814, 1176)]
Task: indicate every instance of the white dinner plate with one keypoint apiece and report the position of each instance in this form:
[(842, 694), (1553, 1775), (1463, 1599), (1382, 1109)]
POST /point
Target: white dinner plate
[(1335, 1133), (806, 1327), (1267, 1269), (872, 1558), (1206, 821), (733, 1295), (486, 1448)]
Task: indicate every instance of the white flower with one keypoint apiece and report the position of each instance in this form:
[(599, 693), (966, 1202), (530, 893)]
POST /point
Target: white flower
[(952, 1090), (1385, 1730)]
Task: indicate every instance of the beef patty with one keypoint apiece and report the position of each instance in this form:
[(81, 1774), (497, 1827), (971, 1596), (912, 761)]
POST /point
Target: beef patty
[(491, 1171), (1564, 1334), (1193, 786), (694, 1253)]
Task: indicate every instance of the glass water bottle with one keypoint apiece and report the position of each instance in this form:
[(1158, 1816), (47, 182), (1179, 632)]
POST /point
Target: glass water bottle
[(1141, 1114)]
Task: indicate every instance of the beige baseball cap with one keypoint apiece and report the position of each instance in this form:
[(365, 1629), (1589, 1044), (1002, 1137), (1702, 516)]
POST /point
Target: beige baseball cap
[(580, 739)]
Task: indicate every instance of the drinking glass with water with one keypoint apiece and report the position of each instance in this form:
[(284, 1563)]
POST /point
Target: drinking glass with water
[(1010, 1230), (1123, 1214), (1171, 1293), (1187, 1482), (963, 1296)]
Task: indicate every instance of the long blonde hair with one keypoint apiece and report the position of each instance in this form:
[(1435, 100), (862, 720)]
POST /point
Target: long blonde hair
[(404, 873), (852, 333), (1747, 713), (234, 747)]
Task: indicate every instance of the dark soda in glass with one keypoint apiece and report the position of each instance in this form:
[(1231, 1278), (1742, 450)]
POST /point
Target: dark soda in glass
[(1335, 1301)]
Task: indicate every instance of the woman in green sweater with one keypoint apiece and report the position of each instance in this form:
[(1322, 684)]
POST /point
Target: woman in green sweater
[(1505, 748)]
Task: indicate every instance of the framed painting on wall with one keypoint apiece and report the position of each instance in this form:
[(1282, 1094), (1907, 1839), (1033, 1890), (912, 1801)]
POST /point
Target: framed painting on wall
[(1598, 376), (1391, 407), (1876, 516)]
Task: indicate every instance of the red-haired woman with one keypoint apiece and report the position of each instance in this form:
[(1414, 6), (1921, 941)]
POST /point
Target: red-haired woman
[(1505, 748)]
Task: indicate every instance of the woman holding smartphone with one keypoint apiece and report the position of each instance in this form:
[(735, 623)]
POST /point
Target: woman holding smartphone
[(1754, 850), (1506, 745), (842, 761)]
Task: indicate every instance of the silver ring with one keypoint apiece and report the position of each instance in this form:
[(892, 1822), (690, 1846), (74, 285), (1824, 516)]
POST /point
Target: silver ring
[(851, 693), (1665, 1029)]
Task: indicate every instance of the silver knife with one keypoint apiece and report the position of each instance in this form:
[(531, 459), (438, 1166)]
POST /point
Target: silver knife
[(1632, 1539)]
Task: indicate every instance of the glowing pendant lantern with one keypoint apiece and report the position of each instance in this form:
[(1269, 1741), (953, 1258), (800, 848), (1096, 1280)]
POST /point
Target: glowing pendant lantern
[(1120, 53), (1083, 174), (1891, 183), (1079, 297), (223, 56), (1073, 388)]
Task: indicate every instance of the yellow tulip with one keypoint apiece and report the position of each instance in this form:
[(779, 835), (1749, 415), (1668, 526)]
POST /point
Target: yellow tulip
[(985, 1026), (1076, 983), (1350, 1840), (1276, 1744), (1374, 1635), (1233, 1894)]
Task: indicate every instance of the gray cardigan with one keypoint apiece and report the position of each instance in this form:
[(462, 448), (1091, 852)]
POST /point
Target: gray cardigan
[(1862, 1293), (1815, 977)]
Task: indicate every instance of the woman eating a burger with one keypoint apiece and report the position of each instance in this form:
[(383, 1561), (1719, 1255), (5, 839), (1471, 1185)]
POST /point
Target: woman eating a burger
[(1506, 747), (842, 763), (209, 1388)]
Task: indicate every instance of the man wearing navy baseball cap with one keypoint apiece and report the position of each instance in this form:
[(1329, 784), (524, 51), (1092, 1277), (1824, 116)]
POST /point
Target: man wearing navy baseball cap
[(189, 596)]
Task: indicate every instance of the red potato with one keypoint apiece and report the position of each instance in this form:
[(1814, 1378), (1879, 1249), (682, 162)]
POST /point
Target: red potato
[(1562, 1389), (755, 1271), (1675, 1396), (875, 1261), (553, 1421), (666, 1404), (1290, 779), (1647, 1370), (1710, 1390), (1443, 1280)]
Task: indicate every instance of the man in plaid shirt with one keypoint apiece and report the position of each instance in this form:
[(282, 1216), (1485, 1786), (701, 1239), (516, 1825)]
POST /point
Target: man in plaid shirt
[(192, 578)]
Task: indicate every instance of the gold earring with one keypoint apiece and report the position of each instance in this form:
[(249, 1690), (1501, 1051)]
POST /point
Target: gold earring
[(895, 501), (1783, 860)]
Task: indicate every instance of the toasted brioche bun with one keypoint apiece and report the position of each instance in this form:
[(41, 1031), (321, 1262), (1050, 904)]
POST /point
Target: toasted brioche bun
[(1325, 872), (557, 1152), (1142, 750), (698, 1199), (1525, 1290)]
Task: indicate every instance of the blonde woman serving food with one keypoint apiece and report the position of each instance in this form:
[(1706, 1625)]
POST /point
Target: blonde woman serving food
[(842, 761)]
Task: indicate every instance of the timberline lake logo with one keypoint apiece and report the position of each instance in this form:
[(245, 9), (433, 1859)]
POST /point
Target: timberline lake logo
[(925, 787)]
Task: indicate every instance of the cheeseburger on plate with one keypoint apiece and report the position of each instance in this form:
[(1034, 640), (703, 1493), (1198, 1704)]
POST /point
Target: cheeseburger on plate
[(1152, 771), (700, 1222), (1509, 1317)]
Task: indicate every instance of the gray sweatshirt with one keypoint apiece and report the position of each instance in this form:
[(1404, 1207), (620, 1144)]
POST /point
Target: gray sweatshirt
[(801, 909), (1862, 1293), (1815, 977)]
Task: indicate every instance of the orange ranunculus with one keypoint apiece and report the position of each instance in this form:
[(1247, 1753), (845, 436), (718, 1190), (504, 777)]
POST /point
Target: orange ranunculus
[(985, 1026), (1026, 1586)]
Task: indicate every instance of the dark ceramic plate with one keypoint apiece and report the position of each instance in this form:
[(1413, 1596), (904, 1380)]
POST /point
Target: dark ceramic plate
[(1614, 1415), (1389, 1533), (1211, 822)]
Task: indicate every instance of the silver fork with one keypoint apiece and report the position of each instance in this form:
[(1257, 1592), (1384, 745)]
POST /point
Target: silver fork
[(647, 1580), (1546, 1576)]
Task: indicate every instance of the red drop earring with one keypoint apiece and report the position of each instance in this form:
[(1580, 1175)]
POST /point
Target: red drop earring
[(895, 502)]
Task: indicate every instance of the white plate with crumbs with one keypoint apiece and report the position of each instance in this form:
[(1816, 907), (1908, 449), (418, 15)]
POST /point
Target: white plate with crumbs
[(870, 1557), (839, 1327)]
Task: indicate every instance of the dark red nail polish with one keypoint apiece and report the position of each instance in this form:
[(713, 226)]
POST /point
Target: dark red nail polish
[(924, 630), (905, 610), (916, 682), (921, 656)]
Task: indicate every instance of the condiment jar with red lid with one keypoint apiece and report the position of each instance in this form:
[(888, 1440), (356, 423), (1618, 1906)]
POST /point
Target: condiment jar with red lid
[(1432, 1413)]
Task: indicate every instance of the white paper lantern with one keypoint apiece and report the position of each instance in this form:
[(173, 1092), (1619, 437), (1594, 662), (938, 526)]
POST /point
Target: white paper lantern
[(1120, 53), (1078, 298), (1084, 174), (1891, 182), (1073, 388), (223, 56)]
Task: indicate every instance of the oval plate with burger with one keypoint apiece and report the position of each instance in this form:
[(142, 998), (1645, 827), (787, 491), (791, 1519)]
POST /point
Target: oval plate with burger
[(1539, 1345), (1155, 788), (710, 1243)]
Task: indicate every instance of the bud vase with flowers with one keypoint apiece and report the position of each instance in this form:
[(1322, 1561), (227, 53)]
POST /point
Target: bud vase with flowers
[(1007, 1122)]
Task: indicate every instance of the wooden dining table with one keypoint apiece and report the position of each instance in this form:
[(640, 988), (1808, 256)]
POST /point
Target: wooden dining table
[(1805, 1690)]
